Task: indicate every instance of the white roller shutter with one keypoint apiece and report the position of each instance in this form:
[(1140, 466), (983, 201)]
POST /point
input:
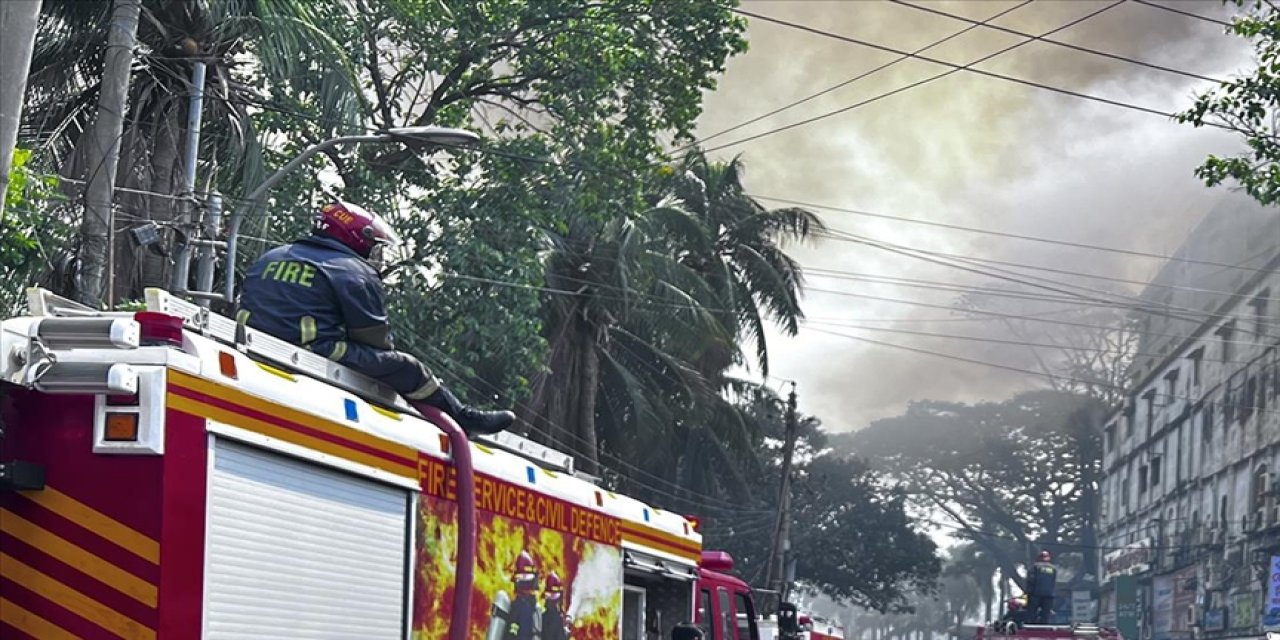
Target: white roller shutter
[(296, 550)]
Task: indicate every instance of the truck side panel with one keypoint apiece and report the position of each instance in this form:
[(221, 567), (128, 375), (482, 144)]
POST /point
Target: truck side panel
[(182, 537), (580, 546), (89, 543)]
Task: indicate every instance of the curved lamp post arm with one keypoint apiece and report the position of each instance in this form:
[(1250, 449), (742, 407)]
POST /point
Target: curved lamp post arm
[(254, 199), (431, 135)]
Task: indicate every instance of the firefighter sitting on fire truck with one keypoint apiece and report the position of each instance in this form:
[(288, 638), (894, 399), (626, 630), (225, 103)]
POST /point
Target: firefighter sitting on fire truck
[(324, 292)]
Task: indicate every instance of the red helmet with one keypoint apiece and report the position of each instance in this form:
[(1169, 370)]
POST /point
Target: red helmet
[(355, 227), (526, 573), (1044, 556), (553, 587)]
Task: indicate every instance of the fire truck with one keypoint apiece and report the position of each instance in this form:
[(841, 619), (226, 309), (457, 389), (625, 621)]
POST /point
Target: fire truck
[(790, 624), (1003, 630), (168, 473)]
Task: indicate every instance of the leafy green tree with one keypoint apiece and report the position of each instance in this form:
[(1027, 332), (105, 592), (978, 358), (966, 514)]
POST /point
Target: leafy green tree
[(851, 536), (29, 229), (574, 98), (1247, 104), (1012, 477)]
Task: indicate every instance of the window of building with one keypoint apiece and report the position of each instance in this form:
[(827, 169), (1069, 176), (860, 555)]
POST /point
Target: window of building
[(1124, 491), (1275, 371), (1156, 464), (1109, 441), (1129, 412), (1264, 390), (1170, 386), (1149, 405), (1228, 405), (1222, 510), (1208, 422), (1224, 332), (1259, 489), (1260, 319), (1193, 379), (1248, 389), (1142, 479)]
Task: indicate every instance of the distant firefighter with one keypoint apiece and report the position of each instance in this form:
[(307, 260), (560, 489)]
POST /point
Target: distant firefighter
[(554, 625), (517, 619), (1041, 584)]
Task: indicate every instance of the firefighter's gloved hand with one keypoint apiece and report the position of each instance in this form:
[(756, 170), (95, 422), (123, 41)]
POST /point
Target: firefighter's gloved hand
[(472, 420)]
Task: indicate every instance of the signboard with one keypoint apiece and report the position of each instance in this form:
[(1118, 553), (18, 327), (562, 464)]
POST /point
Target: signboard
[(1271, 610), (1082, 606), (1127, 606), (1107, 609), (1244, 611), (1215, 620), (1131, 560), (1185, 587), (1161, 607)]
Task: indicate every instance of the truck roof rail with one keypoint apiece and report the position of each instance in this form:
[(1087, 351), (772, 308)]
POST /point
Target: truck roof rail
[(41, 302)]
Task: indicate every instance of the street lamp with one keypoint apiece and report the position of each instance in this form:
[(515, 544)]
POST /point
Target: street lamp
[(432, 135)]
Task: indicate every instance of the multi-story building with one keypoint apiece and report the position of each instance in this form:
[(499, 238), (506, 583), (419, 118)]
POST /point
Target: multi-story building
[(1190, 514)]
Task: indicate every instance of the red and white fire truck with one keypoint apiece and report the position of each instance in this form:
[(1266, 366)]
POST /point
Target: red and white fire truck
[(168, 474), (1003, 630), (807, 627)]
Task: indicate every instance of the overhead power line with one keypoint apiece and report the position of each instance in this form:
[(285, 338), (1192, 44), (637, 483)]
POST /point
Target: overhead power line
[(1136, 304), (856, 78), (1005, 341), (1188, 14), (1002, 234), (1067, 45), (953, 69), (998, 314), (1044, 374)]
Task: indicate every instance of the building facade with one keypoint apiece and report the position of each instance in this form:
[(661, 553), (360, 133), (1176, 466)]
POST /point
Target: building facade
[(1190, 514)]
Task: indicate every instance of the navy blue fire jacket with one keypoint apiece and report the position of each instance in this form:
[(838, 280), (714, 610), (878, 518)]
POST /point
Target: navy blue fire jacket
[(316, 293)]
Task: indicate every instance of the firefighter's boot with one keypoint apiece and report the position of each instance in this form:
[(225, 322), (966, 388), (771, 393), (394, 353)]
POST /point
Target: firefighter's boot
[(472, 420)]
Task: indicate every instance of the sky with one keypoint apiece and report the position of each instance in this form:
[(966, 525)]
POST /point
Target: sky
[(970, 150)]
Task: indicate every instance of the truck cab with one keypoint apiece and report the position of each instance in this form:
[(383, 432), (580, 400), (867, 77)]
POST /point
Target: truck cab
[(723, 606)]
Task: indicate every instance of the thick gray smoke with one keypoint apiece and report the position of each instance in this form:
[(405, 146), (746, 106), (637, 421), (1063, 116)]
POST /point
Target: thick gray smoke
[(968, 150)]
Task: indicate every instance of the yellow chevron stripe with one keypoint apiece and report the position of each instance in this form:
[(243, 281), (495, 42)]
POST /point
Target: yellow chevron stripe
[(97, 522), (72, 600), (72, 555), (32, 624)]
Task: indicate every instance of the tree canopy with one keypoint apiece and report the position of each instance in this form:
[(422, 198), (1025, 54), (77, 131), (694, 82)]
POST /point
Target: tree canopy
[(1247, 104), (1011, 476), (851, 538)]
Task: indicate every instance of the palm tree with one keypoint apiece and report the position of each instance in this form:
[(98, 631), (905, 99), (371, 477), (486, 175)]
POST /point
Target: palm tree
[(747, 265), (619, 305), (646, 321), (243, 43)]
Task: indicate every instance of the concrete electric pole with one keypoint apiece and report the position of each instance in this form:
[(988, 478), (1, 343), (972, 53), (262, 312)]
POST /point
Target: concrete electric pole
[(776, 576)]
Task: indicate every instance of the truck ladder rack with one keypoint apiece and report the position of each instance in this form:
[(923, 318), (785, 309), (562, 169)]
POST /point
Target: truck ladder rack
[(296, 359)]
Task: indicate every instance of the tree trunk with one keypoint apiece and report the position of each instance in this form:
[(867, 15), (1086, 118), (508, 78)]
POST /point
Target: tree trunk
[(1091, 426), (585, 392), (104, 152), (164, 176), (18, 20), (563, 407)]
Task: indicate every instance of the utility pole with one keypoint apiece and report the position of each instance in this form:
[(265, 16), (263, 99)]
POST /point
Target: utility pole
[(18, 20), (776, 576), (104, 153)]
